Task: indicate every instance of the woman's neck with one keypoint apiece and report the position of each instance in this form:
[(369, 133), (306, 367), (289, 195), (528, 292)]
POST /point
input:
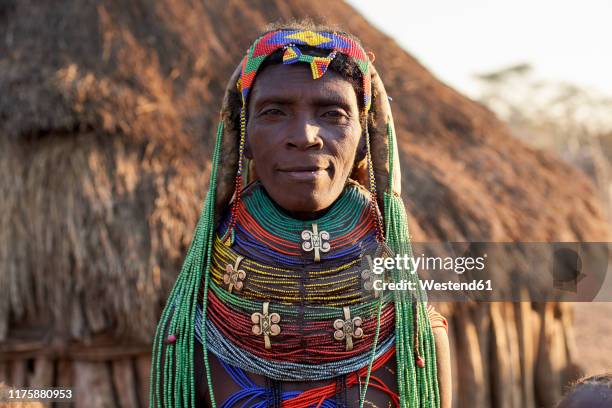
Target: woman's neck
[(305, 215)]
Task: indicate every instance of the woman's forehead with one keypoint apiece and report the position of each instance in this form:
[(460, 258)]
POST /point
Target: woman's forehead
[(294, 83)]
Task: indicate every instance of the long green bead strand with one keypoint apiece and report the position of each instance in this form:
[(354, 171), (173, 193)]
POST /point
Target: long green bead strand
[(178, 381), (424, 390), (211, 230)]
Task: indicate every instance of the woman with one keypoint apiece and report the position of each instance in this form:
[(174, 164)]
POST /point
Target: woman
[(282, 254)]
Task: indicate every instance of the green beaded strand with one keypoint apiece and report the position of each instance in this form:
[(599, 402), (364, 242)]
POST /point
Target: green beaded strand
[(178, 382), (423, 390)]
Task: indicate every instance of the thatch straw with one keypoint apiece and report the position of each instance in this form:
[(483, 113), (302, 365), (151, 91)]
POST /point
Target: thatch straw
[(107, 117)]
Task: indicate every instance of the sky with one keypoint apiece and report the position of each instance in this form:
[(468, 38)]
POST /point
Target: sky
[(564, 40)]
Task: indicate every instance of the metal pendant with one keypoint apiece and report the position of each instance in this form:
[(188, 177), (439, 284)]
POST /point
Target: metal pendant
[(233, 276), (266, 324), (348, 328), (315, 241)]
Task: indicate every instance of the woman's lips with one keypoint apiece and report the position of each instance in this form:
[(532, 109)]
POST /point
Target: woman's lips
[(303, 173)]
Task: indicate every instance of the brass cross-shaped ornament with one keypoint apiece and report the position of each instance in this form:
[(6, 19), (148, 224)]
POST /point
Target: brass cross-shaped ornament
[(266, 324), (369, 277), (348, 328), (315, 241), (233, 276)]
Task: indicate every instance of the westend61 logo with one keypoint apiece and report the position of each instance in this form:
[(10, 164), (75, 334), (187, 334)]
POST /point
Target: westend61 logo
[(458, 265)]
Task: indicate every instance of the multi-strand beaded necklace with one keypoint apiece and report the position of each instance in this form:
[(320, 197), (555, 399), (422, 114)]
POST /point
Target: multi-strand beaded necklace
[(294, 300)]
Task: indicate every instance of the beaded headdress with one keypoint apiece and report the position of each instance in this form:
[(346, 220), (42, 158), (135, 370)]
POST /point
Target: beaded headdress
[(175, 336), (288, 39)]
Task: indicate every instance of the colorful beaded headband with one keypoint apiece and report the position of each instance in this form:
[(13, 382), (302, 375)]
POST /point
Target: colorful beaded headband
[(288, 39)]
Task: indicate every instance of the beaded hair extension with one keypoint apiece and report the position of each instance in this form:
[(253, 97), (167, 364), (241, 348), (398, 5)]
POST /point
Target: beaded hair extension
[(202, 275)]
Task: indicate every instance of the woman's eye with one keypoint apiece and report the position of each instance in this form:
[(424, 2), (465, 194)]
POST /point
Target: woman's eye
[(335, 115), (271, 112)]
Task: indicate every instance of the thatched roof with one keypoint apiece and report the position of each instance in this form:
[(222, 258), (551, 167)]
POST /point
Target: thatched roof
[(107, 117)]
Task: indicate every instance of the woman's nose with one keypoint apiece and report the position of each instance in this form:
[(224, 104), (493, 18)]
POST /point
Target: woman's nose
[(304, 135)]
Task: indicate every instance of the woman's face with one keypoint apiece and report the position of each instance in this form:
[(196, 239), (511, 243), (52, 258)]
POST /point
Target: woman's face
[(303, 135)]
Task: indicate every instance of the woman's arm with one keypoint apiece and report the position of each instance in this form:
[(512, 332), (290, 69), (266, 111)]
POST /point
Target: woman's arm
[(439, 326), (445, 381)]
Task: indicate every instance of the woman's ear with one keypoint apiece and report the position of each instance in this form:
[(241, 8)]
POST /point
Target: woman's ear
[(360, 168), (361, 150), (247, 149)]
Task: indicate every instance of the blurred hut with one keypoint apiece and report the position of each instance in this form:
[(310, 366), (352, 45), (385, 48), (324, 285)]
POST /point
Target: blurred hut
[(107, 118)]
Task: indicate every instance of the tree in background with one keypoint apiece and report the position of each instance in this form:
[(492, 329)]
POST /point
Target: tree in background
[(572, 121)]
